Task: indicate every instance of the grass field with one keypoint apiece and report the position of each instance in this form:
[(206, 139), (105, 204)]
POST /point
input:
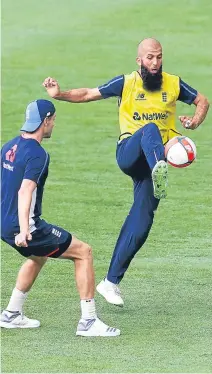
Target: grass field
[(166, 322)]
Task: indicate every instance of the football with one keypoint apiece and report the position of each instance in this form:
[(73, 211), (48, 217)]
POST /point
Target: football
[(180, 151)]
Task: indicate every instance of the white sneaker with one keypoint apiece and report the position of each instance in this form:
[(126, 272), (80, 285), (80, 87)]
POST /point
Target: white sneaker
[(95, 327), (17, 320), (160, 179), (110, 292)]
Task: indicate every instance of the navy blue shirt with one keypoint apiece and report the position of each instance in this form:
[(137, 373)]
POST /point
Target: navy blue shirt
[(21, 159), (115, 87)]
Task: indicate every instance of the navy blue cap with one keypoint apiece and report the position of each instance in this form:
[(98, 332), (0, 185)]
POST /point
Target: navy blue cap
[(36, 112)]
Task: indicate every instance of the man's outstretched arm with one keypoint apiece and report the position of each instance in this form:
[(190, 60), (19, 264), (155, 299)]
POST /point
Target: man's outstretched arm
[(77, 95), (112, 88)]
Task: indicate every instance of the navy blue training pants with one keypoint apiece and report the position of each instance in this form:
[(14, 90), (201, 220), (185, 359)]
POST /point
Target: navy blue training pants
[(136, 157)]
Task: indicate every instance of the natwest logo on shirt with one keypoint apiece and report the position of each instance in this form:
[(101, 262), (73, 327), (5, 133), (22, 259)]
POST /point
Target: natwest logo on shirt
[(149, 116), (8, 166)]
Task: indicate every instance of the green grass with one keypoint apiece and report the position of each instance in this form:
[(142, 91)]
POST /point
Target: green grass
[(166, 322)]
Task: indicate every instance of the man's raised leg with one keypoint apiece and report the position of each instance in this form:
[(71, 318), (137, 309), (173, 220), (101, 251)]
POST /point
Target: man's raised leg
[(146, 142)]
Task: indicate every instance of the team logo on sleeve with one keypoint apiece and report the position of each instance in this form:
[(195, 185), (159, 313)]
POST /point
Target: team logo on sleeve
[(10, 155)]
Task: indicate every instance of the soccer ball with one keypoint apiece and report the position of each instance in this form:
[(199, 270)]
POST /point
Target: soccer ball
[(180, 151)]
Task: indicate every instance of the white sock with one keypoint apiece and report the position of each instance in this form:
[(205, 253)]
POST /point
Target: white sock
[(108, 282), (16, 301), (88, 309)]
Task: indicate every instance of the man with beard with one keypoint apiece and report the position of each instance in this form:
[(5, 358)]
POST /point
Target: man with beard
[(147, 105)]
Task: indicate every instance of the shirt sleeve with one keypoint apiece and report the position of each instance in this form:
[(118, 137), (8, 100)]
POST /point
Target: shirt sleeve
[(112, 88), (36, 166), (187, 93)]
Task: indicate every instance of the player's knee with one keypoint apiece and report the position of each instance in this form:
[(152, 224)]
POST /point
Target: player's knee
[(86, 251), (82, 252)]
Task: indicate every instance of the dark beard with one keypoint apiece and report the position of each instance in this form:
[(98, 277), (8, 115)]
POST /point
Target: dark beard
[(151, 82)]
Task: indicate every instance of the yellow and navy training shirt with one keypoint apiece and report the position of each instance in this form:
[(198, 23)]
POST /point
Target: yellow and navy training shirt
[(138, 106)]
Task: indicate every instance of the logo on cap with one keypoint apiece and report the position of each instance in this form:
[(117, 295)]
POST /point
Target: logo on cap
[(27, 114)]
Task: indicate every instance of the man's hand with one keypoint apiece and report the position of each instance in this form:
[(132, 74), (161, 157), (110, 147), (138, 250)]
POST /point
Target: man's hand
[(21, 239), (52, 87), (188, 122), (75, 95), (202, 106)]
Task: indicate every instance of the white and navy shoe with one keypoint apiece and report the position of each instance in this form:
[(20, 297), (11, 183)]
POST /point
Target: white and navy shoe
[(160, 179), (95, 327), (110, 292), (15, 320)]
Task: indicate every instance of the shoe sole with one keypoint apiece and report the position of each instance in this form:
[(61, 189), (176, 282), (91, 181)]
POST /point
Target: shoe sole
[(120, 305), (160, 179), (10, 326), (105, 335)]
